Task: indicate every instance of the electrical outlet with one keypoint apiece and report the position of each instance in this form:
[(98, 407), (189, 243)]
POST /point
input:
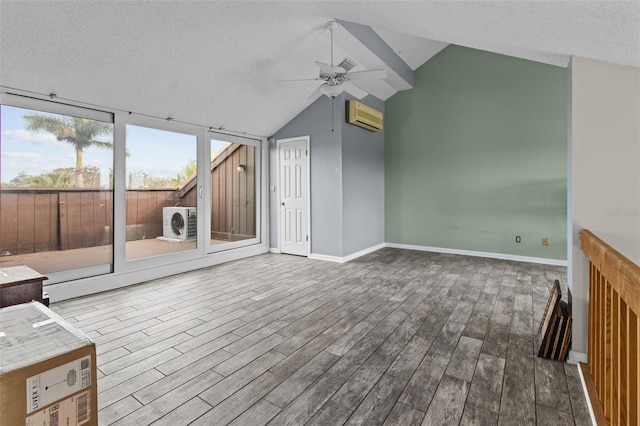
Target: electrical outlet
[(518, 239), (545, 241)]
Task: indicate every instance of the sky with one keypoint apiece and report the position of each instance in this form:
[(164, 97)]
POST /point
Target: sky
[(156, 152)]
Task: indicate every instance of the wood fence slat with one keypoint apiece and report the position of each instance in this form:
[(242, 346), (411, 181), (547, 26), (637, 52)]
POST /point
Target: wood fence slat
[(251, 191), (97, 230), (9, 223), (54, 222), (42, 210), (143, 214), (242, 192), (74, 219), (107, 199), (87, 220), (235, 190), (132, 214), (26, 223), (226, 196), (62, 213), (153, 227), (153, 211), (161, 201), (215, 201)]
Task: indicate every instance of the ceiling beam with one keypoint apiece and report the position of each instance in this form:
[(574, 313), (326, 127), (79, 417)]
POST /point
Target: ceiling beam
[(372, 41)]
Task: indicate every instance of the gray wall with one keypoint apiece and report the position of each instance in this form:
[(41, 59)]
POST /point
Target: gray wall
[(347, 178), (362, 184), (326, 169)]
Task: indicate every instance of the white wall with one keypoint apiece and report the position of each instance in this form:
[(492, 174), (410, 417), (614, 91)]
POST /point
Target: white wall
[(605, 171)]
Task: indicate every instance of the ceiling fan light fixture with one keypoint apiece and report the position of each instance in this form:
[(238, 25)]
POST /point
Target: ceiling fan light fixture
[(332, 25), (331, 91)]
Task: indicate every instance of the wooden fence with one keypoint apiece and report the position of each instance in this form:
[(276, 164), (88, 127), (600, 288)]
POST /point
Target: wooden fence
[(614, 332), (233, 194), (144, 211), (39, 220)]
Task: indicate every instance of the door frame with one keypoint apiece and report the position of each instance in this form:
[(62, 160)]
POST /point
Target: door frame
[(279, 142)]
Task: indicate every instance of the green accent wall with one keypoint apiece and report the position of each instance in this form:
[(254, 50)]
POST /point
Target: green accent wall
[(476, 153)]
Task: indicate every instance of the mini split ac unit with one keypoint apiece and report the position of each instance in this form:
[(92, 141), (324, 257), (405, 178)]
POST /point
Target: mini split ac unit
[(364, 116), (179, 223)]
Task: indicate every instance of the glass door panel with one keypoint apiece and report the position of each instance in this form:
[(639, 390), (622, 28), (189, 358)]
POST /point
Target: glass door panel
[(56, 192), (161, 192), (233, 172)]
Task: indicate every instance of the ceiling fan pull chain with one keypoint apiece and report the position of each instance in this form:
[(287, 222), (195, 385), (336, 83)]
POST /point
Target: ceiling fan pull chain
[(332, 99)]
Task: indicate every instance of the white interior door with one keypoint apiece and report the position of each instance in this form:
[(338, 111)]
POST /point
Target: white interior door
[(294, 196)]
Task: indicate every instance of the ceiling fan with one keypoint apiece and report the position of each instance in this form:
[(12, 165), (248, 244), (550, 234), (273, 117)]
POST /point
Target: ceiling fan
[(337, 79)]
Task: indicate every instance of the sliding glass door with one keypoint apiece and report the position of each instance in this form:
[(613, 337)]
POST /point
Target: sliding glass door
[(85, 193), (56, 191), (161, 192), (233, 191)]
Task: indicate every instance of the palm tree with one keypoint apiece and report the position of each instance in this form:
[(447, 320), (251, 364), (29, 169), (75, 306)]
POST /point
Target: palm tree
[(79, 132)]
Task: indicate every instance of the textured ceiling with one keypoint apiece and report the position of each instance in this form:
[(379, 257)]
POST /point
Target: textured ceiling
[(217, 63)]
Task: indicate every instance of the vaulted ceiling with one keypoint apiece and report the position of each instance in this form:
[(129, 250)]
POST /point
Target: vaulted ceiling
[(218, 63)]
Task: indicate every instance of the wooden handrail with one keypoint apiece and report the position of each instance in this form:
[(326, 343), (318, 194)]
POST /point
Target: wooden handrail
[(623, 274), (614, 331)]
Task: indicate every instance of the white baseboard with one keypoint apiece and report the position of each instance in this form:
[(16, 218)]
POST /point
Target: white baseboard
[(363, 252), (326, 258), (586, 397), (501, 256), (274, 250), (575, 357), (345, 259)]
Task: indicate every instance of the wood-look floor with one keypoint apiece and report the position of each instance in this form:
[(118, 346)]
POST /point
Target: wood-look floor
[(396, 337)]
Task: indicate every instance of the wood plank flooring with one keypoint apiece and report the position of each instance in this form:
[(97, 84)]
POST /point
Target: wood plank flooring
[(396, 337)]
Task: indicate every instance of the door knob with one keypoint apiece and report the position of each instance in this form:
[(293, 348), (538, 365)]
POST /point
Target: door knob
[(283, 203)]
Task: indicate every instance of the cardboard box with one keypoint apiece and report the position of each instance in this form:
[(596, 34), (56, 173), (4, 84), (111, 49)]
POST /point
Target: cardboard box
[(47, 369)]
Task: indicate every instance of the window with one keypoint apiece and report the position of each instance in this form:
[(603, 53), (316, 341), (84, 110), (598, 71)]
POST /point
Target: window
[(161, 192), (233, 192), (56, 190), (85, 193), (234, 175)]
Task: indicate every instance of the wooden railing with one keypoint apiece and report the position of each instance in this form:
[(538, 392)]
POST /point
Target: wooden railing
[(614, 331)]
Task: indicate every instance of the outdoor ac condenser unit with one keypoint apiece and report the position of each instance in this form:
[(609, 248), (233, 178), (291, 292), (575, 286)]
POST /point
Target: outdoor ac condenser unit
[(363, 116), (179, 223)]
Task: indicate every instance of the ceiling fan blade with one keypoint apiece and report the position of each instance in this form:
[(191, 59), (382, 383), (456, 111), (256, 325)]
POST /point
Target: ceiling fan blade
[(329, 70), (316, 92), (354, 90), (366, 75), (299, 79)]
